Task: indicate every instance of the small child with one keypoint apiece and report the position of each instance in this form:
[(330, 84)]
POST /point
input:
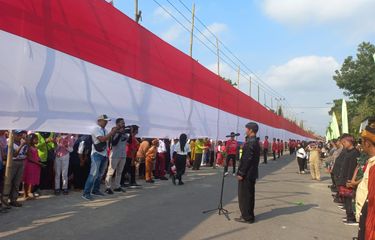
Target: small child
[(31, 176), (150, 157)]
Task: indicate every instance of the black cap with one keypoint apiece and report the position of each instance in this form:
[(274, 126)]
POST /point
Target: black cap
[(253, 126)]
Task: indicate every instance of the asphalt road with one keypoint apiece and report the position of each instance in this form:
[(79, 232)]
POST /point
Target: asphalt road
[(288, 206)]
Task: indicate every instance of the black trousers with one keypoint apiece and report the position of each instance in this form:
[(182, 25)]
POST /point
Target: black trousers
[(80, 174), (246, 198), (362, 222), (301, 164), (265, 153), (130, 170), (274, 155), (197, 161), (229, 157), (348, 203), (180, 166)]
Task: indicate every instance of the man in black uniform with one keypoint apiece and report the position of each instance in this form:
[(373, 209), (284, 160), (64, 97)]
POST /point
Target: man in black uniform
[(247, 174)]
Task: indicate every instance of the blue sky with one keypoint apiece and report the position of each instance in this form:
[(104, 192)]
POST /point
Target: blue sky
[(294, 46)]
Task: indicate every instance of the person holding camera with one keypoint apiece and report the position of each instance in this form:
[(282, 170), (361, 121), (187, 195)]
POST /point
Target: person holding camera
[(117, 158), (100, 137)]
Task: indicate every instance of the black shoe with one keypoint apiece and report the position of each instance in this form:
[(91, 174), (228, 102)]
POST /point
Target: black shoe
[(109, 191), (57, 192), (351, 223), (3, 210), (65, 192), (156, 177), (181, 183), (119, 190), (241, 220), (15, 204), (174, 179), (135, 186), (150, 181), (98, 193), (163, 178)]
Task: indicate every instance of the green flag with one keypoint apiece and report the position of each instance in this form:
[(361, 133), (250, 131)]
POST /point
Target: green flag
[(335, 127), (344, 117)]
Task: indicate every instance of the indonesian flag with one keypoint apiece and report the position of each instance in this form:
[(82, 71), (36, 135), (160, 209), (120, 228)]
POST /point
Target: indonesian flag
[(64, 62)]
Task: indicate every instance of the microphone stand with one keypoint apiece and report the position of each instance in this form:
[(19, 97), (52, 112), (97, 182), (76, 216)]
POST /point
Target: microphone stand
[(220, 209)]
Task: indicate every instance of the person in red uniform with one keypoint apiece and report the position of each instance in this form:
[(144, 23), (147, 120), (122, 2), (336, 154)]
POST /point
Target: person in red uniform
[(281, 147), (278, 148), (274, 148), (231, 147), (265, 149)]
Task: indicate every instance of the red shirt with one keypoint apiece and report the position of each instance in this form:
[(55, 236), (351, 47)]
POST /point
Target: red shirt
[(274, 146), (132, 147), (231, 147), (281, 146), (266, 144), (370, 221)]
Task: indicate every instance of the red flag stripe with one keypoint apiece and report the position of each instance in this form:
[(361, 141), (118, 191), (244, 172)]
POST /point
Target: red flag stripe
[(96, 32)]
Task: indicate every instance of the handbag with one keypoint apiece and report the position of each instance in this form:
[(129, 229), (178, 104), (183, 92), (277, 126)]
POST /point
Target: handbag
[(346, 192)]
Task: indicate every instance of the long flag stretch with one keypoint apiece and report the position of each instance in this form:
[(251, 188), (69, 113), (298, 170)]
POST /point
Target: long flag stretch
[(64, 62)]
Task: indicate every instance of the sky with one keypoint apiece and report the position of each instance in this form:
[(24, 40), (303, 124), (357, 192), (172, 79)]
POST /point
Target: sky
[(290, 46)]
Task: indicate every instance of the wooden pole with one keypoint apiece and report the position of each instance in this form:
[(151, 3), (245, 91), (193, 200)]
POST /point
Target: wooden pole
[(250, 86), (258, 92), (8, 168), (218, 56), (238, 77), (192, 31)]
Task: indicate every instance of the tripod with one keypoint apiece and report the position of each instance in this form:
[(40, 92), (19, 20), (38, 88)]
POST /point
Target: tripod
[(220, 209)]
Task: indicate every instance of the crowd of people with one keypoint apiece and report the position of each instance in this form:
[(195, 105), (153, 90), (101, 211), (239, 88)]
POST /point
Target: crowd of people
[(349, 163), (116, 159)]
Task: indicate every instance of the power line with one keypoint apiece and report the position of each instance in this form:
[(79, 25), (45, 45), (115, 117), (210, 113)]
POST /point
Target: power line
[(262, 85), (239, 60), (246, 75)]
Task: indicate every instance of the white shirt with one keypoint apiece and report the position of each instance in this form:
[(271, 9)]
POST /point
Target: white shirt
[(162, 148), (301, 153), (177, 149), (97, 132)]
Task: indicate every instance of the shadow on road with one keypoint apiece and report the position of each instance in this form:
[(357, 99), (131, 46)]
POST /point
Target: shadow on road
[(284, 211)]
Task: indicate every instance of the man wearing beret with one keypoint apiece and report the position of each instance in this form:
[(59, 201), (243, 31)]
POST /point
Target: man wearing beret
[(247, 174)]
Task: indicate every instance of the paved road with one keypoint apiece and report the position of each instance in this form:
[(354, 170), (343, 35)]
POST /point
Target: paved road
[(288, 206)]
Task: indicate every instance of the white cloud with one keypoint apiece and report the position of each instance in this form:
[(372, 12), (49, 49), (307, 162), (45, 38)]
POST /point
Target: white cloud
[(160, 13), (307, 84), (354, 16), (172, 34), (215, 28), (300, 72)]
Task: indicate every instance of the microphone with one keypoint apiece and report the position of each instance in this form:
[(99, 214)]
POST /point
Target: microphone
[(232, 134)]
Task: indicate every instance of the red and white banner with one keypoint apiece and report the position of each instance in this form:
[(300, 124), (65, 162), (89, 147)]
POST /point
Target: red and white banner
[(64, 62)]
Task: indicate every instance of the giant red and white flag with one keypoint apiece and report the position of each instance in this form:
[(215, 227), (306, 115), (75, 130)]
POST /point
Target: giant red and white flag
[(64, 62)]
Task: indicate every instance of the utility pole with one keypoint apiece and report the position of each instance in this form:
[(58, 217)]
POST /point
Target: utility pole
[(258, 92), (265, 99), (8, 169), (138, 13), (218, 56), (192, 30), (238, 77), (250, 86)]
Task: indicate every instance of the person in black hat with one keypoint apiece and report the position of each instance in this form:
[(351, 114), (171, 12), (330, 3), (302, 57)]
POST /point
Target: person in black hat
[(247, 174), (231, 148)]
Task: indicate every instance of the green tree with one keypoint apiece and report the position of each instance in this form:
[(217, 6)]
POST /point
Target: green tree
[(357, 78), (230, 82), (280, 111)]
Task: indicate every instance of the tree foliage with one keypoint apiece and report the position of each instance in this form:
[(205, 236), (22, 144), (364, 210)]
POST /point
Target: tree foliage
[(357, 78), (233, 83)]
